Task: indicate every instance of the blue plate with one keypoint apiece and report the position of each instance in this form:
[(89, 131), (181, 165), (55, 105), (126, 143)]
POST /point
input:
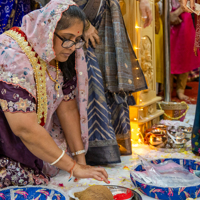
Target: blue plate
[(31, 192), (170, 193)]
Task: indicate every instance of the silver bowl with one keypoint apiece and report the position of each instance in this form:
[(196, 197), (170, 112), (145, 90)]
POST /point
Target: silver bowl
[(119, 189)]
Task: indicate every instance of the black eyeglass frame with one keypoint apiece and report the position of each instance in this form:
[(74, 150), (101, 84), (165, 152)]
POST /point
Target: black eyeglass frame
[(73, 43)]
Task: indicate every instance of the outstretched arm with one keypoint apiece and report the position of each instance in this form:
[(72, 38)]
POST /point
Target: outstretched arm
[(69, 118), (40, 143)]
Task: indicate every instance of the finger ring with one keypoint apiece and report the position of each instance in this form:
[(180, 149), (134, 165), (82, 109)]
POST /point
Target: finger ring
[(145, 17)]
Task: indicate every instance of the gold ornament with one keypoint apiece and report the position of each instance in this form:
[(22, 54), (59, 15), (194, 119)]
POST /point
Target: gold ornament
[(39, 73), (57, 84)]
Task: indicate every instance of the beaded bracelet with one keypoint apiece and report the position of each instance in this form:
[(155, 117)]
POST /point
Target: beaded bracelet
[(63, 153), (78, 152), (71, 171)]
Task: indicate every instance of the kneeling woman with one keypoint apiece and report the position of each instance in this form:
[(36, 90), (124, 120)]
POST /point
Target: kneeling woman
[(39, 116)]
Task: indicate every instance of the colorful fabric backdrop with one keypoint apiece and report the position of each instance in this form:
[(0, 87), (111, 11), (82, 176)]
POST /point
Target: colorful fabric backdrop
[(11, 13), (113, 73)]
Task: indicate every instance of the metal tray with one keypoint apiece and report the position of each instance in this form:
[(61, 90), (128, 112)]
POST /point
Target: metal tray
[(119, 189)]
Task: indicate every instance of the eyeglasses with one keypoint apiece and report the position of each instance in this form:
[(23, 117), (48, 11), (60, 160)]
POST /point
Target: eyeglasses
[(69, 43)]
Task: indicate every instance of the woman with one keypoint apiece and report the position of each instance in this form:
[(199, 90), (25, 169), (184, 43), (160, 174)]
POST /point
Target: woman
[(181, 28), (38, 107), (114, 74)]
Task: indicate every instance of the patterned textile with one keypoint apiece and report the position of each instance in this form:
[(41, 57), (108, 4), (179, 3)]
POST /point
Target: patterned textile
[(13, 173), (32, 192), (196, 128), (11, 13), (176, 193), (15, 99), (16, 71), (69, 89), (113, 72), (103, 147), (117, 60)]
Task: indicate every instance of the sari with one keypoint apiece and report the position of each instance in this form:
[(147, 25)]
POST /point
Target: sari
[(12, 12), (114, 73), (20, 89), (196, 129)]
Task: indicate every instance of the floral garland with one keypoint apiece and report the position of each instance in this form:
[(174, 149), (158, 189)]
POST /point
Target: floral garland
[(39, 68)]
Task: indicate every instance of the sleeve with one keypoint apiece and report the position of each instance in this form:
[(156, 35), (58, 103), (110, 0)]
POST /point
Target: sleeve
[(69, 89), (15, 99)]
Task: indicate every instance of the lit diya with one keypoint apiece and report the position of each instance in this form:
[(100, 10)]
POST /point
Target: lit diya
[(157, 137)]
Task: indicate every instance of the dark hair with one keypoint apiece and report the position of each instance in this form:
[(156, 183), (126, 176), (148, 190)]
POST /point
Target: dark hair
[(66, 21)]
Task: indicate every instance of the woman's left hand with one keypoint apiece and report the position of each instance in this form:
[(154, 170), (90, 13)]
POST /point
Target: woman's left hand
[(146, 13), (80, 159), (92, 35)]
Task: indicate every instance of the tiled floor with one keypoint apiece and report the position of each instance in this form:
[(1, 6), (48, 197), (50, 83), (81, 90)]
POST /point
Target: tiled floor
[(119, 173)]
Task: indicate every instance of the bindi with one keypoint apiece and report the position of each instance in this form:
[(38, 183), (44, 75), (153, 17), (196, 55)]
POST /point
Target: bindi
[(78, 31)]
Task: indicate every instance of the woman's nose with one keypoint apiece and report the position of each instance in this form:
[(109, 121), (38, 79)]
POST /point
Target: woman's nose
[(73, 48)]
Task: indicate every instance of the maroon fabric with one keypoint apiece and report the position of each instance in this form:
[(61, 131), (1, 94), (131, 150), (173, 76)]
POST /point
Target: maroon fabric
[(10, 145), (15, 173), (13, 94), (15, 158), (69, 86)]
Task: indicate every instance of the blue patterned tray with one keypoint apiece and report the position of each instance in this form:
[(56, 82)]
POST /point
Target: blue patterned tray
[(177, 193), (31, 193)]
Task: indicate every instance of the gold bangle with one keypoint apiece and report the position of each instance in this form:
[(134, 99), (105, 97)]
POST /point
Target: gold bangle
[(88, 25)]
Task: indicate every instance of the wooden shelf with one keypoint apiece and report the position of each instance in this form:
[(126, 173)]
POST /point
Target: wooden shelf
[(154, 100), (151, 117)]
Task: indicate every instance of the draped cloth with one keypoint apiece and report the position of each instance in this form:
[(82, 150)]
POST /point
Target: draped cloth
[(183, 32), (196, 128), (113, 73), (11, 13)]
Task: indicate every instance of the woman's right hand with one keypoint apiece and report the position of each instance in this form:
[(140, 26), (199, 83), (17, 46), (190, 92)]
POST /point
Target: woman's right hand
[(86, 171), (92, 35)]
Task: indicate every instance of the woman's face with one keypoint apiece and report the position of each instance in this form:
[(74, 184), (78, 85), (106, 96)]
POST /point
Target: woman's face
[(73, 33)]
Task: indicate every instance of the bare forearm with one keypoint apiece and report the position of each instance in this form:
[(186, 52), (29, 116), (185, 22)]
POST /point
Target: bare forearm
[(70, 123), (40, 143), (37, 139)]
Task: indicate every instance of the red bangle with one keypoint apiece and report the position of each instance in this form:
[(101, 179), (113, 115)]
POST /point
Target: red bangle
[(71, 171)]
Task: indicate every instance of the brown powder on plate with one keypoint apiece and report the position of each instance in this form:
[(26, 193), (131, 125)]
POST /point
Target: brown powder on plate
[(95, 192)]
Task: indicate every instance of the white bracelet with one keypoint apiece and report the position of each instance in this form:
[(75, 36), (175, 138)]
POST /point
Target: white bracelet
[(63, 153), (78, 152)]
